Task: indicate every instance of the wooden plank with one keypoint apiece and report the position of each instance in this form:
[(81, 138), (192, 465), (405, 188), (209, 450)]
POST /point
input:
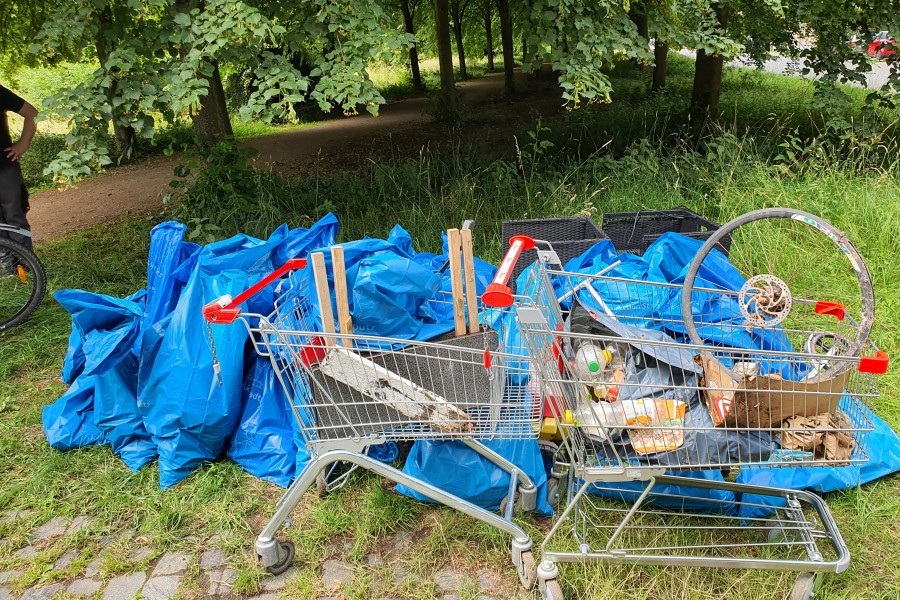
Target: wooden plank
[(341, 297), (468, 258), (456, 281), (321, 277), (382, 385)]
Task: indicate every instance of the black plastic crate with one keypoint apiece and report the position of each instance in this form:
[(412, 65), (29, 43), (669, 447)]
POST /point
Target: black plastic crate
[(633, 232), (570, 237)]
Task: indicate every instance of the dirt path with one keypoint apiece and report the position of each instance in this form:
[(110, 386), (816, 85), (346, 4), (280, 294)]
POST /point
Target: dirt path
[(141, 186)]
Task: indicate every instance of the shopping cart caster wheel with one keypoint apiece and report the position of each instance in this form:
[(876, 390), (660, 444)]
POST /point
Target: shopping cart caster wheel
[(504, 502), (551, 590), (286, 551), (553, 492), (805, 586), (527, 568), (322, 484)]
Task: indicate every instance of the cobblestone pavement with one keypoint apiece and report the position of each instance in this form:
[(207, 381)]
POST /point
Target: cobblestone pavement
[(177, 575)]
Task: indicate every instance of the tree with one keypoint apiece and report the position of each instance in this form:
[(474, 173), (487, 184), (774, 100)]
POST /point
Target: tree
[(445, 58), (161, 57), (708, 71), (458, 13), (408, 8), (506, 39), (487, 15)]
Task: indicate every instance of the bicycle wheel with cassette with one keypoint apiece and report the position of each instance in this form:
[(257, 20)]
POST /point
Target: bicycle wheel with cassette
[(22, 283), (794, 276)]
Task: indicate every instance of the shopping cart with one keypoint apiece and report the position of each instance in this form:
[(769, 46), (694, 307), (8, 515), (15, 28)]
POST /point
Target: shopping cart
[(350, 391), (715, 375)]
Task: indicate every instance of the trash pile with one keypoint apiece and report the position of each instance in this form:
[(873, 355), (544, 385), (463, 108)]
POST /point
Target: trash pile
[(150, 378)]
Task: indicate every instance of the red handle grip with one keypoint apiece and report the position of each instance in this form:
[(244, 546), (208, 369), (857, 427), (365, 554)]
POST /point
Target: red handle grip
[(226, 309), (876, 365), (498, 294)]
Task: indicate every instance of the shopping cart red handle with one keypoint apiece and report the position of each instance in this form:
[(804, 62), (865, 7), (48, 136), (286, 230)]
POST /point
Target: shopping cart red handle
[(498, 294), (226, 309)]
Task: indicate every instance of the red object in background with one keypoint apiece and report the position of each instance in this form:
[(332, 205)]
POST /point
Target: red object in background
[(882, 46)]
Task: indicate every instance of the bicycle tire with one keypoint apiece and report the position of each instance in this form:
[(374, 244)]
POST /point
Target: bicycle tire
[(864, 279), (32, 262)]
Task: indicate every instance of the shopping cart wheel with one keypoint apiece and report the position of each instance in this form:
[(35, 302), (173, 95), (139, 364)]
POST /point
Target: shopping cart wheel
[(286, 551), (527, 568), (805, 586), (322, 484), (551, 590)]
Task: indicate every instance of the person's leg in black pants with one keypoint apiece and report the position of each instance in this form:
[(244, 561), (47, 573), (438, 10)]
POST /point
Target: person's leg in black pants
[(14, 203)]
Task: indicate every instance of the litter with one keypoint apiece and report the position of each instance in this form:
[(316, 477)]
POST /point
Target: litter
[(682, 301)]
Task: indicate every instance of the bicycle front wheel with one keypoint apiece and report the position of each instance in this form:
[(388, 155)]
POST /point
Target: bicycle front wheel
[(794, 283), (22, 283)]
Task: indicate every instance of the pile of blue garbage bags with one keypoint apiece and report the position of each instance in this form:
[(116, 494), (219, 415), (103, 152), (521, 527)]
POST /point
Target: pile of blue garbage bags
[(142, 378)]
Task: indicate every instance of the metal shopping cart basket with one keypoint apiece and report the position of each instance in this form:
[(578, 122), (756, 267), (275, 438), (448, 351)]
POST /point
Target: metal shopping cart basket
[(736, 366), (350, 391)]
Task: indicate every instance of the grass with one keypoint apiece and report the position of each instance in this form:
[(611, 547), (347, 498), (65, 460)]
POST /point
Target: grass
[(394, 544)]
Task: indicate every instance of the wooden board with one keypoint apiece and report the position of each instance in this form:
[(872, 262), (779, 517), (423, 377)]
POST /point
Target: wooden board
[(456, 281), (341, 297), (469, 275), (321, 277)]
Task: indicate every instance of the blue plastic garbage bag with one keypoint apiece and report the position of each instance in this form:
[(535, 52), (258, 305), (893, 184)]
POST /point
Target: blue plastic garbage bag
[(883, 447), (168, 251), (107, 327), (189, 414), (390, 295), (674, 497), (457, 469), (264, 443), (73, 363), (69, 422), (117, 415)]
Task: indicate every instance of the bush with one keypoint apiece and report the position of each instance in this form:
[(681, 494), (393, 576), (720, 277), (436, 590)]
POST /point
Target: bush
[(44, 149)]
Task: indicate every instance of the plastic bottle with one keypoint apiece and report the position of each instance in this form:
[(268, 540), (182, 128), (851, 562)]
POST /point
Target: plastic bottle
[(590, 362)]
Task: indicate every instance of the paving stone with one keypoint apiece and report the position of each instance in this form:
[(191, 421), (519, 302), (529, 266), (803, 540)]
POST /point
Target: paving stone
[(140, 554), (449, 581), (42, 593), (212, 559), (374, 560), (267, 597), (93, 568), (400, 539), (124, 587), (52, 528), (335, 573), (26, 552), (483, 597), (5, 594), (327, 598), (65, 560), (401, 576), (486, 581), (172, 563), (450, 597), (9, 575), (84, 587), (273, 584), (163, 587), (221, 581), (11, 516), (78, 523)]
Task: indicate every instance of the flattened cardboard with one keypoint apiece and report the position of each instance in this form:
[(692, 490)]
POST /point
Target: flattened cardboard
[(766, 401)]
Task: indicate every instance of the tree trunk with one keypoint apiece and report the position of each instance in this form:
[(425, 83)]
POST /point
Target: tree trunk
[(639, 18), (445, 59), (457, 13), (660, 58), (489, 34), (524, 52), (124, 134), (506, 37), (708, 76), (413, 52), (211, 122)]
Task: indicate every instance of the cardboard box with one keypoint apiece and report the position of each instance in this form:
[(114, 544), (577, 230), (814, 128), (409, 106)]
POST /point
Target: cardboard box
[(765, 401)]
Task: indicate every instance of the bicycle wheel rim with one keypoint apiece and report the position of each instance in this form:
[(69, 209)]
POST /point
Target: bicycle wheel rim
[(814, 279), (22, 283)]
